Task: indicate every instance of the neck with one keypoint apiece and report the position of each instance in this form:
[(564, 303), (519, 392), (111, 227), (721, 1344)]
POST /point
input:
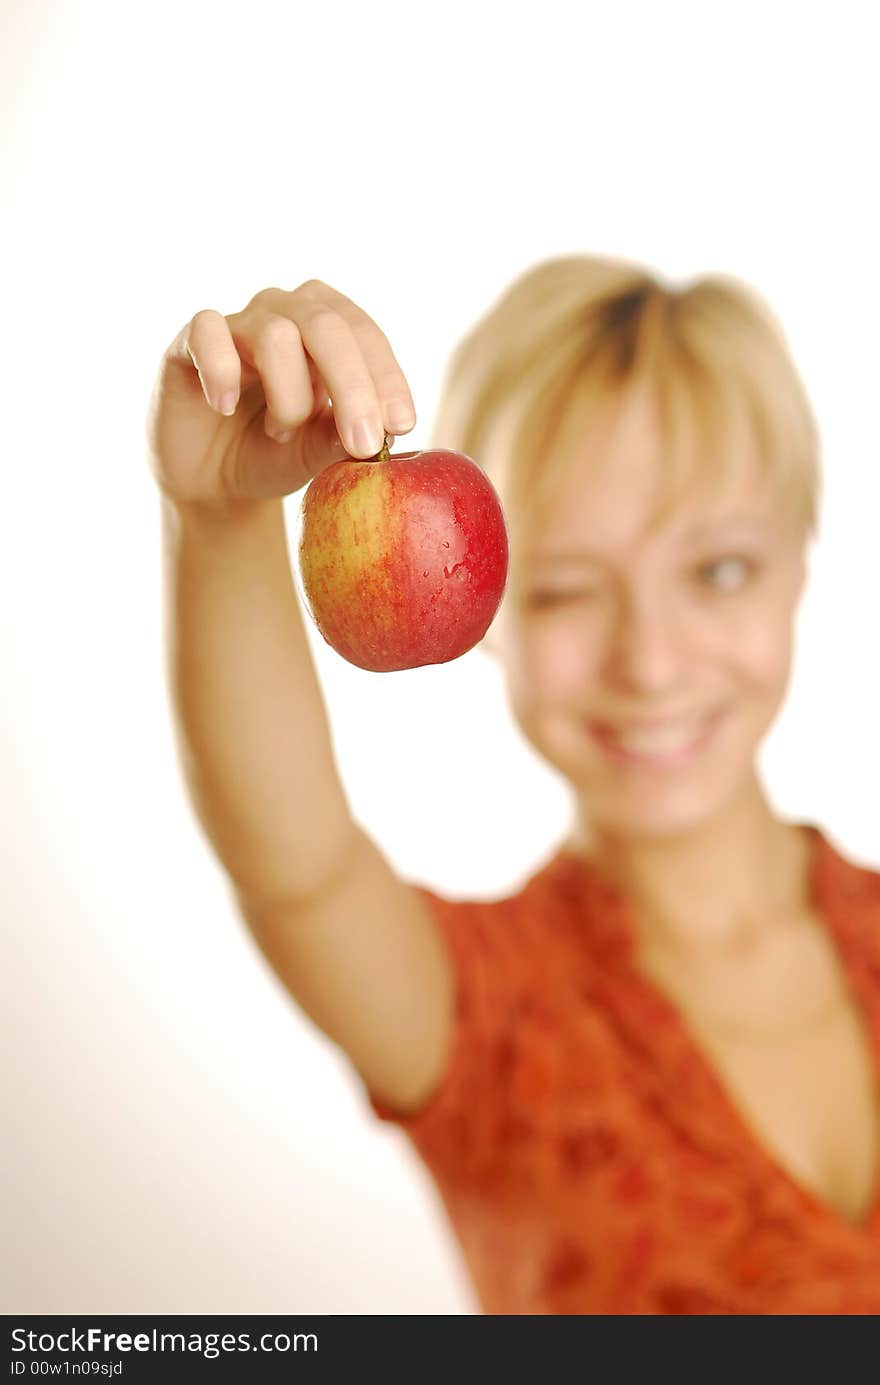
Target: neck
[(724, 885)]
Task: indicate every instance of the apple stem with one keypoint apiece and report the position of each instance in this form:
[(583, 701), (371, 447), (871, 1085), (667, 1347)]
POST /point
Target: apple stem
[(385, 453)]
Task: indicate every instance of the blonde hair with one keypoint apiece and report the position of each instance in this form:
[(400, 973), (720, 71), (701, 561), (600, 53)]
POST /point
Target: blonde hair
[(591, 329)]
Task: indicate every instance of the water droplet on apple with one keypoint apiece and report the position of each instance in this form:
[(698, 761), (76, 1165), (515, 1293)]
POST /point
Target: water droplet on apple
[(456, 568)]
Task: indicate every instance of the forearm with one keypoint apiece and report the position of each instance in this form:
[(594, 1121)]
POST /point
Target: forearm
[(251, 726)]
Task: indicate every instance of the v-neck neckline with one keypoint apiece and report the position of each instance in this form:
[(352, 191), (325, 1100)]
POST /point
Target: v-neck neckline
[(840, 894)]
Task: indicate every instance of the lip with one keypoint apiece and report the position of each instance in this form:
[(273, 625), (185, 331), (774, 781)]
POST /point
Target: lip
[(602, 734)]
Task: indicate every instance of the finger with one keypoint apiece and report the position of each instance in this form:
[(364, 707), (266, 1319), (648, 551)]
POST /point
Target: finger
[(397, 410), (331, 343), (206, 345), (274, 345)]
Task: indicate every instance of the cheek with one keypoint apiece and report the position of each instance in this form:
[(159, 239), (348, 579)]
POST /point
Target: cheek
[(550, 662), (554, 662), (759, 648)]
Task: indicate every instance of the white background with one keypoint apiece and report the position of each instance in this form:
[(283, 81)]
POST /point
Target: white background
[(182, 1139)]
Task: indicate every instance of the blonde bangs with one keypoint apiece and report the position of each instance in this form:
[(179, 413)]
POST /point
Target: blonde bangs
[(584, 333), (728, 393)]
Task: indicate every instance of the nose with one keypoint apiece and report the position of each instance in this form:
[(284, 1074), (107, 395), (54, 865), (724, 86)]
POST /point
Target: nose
[(646, 648)]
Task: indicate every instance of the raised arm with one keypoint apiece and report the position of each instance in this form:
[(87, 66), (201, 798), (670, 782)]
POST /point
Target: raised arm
[(354, 945), (252, 730)]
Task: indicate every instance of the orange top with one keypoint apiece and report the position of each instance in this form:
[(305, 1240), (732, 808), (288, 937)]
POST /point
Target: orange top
[(587, 1154)]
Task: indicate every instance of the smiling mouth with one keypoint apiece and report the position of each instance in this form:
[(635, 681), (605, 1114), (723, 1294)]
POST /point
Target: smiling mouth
[(664, 746)]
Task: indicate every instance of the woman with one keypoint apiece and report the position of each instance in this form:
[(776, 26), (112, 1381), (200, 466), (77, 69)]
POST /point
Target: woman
[(645, 1082)]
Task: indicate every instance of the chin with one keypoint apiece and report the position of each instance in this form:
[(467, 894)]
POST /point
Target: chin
[(655, 820)]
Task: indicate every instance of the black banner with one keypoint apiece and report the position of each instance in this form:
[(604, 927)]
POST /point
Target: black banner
[(149, 1348)]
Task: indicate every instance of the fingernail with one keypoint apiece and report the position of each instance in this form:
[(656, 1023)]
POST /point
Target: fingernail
[(400, 417), (366, 436), (228, 402), (284, 437)]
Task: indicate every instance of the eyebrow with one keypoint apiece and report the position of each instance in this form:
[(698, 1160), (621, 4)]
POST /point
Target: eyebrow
[(709, 528), (726, 522)]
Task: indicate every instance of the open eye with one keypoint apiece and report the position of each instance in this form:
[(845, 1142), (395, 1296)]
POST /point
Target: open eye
[(726, 574)]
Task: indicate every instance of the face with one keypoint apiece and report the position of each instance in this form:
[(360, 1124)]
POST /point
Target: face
[(646, 662)]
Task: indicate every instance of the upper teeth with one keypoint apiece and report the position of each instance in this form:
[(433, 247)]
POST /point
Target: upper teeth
[(659, 740)]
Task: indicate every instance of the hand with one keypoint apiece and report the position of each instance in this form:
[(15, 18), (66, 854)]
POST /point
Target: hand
[(308, 362)]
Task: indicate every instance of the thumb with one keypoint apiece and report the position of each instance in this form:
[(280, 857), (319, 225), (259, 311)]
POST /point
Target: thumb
[(269, 470), (320, 444)]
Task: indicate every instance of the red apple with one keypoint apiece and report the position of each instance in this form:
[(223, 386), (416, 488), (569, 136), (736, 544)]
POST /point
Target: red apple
[(403, 558)]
